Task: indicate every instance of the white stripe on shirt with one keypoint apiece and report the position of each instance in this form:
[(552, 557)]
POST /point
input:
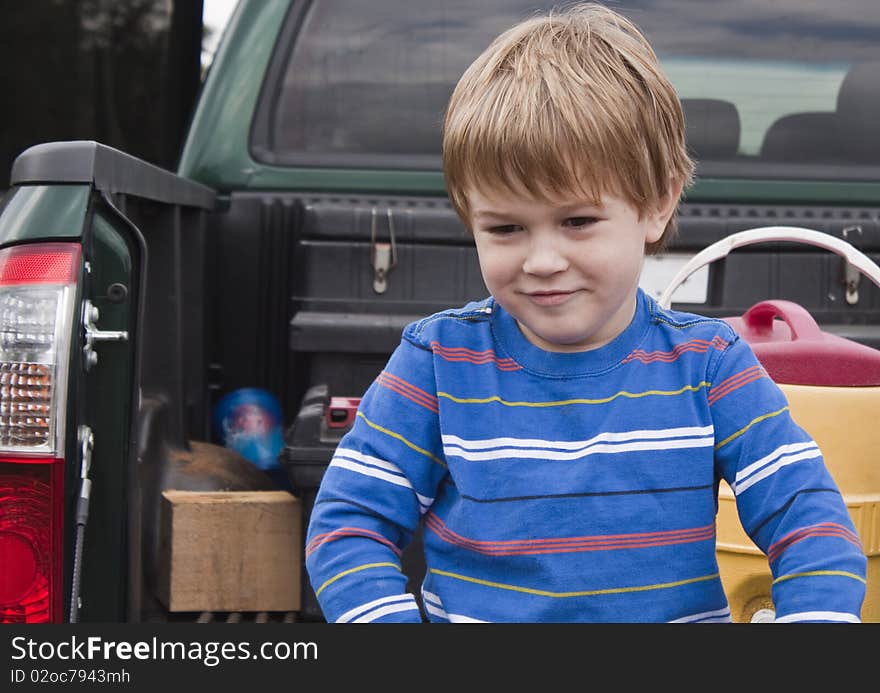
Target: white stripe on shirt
[(405, 600), (612, 437), (601, 448), (459, 618), (434, 606), (717, 616), (350, 459), (837, 616), (385, 610), (436, 611), (767, 459), (770, 470)]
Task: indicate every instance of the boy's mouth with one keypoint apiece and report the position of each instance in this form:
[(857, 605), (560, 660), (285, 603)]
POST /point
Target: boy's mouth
[(550, 297)]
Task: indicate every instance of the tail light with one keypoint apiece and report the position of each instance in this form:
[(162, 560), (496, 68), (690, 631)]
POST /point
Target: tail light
[(37, 294)]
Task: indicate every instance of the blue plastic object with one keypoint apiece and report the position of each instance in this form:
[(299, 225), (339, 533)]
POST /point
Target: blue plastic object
[(249, 421)]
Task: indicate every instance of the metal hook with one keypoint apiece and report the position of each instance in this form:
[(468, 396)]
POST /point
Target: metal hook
[(383, 255), (851, 275)]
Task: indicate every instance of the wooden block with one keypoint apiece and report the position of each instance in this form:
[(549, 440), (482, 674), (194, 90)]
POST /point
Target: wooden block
[(230, 551)]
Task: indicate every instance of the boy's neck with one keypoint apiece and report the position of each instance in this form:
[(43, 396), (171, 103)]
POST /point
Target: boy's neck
[(622, 320)]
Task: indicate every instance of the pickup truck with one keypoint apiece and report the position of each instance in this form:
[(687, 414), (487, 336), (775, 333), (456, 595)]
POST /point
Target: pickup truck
[(307, 223)]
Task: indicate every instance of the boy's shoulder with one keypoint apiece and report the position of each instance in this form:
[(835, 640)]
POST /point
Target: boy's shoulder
[(691, 325), (474, 314)]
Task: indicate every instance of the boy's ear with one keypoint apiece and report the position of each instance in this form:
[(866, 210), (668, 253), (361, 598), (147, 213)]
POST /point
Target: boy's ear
[(660, 218)]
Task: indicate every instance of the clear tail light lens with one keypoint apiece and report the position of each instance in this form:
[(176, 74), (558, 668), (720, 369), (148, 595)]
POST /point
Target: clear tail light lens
[(37, 284), (37, 294)]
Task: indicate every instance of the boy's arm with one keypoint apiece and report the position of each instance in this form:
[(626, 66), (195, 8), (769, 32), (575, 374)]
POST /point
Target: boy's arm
[(383, 476), (787, 501)]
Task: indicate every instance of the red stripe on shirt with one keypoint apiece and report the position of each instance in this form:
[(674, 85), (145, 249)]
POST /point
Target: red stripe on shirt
[(824, 529), (734, 382), (326, 538), (405, 389), (463, 355), (695, 345), (569, 544)]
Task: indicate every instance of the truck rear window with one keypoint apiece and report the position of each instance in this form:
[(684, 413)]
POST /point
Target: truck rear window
[(784, 89)]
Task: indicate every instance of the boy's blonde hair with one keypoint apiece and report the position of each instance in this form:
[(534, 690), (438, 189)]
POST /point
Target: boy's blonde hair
[(569, 102)]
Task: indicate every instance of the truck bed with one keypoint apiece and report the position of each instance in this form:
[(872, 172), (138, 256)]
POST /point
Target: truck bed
[(331, 327)]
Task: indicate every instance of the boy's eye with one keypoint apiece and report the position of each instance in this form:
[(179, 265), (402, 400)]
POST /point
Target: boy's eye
[(504, 229), (577, 222)]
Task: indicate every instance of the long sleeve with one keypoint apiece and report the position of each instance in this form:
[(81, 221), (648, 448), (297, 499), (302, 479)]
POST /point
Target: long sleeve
[(787, 500), (383, 476)]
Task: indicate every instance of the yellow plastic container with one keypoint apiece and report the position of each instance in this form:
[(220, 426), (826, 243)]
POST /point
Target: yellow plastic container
[(845, 422)]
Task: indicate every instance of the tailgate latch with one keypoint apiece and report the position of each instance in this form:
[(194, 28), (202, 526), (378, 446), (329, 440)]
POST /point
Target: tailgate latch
[(90, 315)]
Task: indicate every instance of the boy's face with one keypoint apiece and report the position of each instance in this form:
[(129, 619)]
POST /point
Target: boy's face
[(568, 271)]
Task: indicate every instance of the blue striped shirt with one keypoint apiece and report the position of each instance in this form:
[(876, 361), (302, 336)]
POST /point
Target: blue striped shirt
[(559, 487)]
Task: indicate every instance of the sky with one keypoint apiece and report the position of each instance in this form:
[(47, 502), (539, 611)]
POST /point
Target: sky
[(215, 13)]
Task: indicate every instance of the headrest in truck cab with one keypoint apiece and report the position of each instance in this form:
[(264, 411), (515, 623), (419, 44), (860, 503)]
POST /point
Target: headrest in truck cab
[(712, 128), (802, 137), (858, 113)]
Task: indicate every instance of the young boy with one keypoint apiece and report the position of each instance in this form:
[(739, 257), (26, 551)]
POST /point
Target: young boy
[(563, 440)]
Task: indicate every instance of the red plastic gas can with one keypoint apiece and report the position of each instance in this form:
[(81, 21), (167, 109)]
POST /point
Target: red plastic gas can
[(794, 350)]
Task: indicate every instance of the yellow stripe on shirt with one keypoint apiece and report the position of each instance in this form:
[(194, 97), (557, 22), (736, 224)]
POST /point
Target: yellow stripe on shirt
[(403, 440), (749, 425), (817, 573), (356, 569), (566, 402), (583, 593)]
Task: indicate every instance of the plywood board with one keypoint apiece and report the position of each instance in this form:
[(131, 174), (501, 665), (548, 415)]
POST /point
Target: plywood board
[(230, 551)]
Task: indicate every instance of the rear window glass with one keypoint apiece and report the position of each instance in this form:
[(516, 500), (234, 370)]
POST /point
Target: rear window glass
[(784, 88)]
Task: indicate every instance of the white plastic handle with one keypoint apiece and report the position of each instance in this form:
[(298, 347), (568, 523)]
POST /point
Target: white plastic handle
[(722, 248)]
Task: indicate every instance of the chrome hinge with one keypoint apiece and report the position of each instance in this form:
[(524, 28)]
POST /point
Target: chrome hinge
[(86, 444), (90, 315), (383, 255), (851, 278), (851, 274)]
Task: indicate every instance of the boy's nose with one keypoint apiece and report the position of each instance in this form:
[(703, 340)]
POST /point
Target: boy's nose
[(544, 258)]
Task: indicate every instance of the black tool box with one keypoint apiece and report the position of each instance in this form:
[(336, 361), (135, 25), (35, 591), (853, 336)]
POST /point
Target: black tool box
[(310, 441)]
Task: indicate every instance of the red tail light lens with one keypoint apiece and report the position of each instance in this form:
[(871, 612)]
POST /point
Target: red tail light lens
[(37, 294), (31, 541), (50, 263)]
